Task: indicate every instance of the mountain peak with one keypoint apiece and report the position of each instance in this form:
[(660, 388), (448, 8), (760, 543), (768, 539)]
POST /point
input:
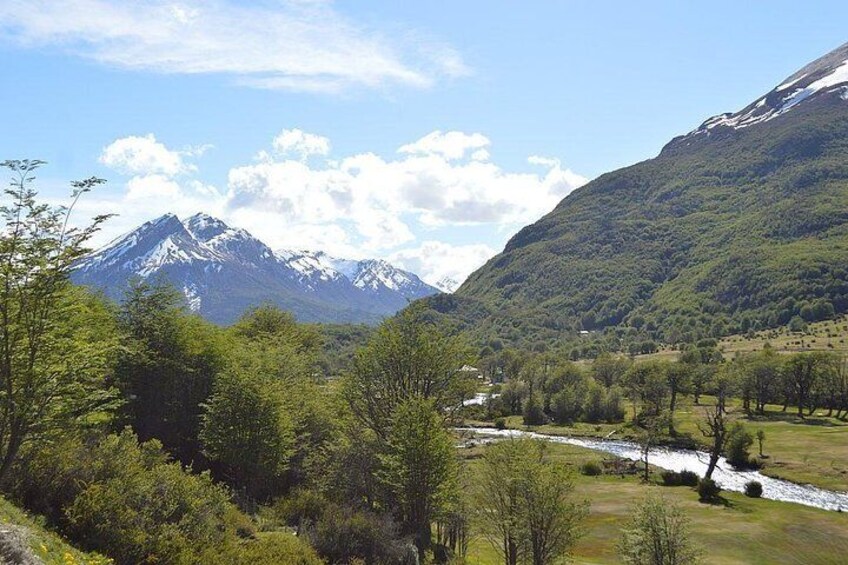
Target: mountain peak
[(223, 271), (204, 227), (826, 76)]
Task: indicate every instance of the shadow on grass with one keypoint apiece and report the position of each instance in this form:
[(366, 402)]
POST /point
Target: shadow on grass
[(793, 418)]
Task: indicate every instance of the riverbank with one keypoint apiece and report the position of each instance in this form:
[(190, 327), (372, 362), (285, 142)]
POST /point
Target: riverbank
[(813, 450)]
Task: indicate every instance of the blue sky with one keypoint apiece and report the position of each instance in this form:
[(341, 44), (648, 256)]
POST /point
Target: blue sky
[(392, 129)]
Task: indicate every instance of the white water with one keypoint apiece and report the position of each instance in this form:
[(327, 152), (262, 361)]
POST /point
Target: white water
[(696, 461)]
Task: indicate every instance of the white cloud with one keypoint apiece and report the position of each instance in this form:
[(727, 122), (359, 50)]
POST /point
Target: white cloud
[(362, 205), (432, 183), (451, 145), (295, 141), (145, 156), (435, 261), (291, 45)]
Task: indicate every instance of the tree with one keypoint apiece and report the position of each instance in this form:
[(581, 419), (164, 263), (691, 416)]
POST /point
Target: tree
[(678, 377), (167, 368), (55, 350), (658, 534), (419, 468), (524, 503), (609, 370), (247, 430), (739, 441), (408, 357), (552, 517), (715, 428), (803, 372)]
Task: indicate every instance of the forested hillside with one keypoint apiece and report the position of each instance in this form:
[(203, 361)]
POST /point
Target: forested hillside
[(731, 228)]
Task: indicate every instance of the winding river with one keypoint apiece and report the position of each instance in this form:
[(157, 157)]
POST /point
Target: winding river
[(680, 459)]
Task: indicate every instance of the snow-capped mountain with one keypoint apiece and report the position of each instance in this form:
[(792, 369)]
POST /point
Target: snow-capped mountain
[(447, 284), (224, 271), (824, 78)]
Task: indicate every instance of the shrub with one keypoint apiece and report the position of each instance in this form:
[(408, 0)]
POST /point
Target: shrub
[(738, 444), (534, 414), (500, 423), (708, 490), (342, 535), (753, 489), (671, 478), (591, 469), (688, 478)]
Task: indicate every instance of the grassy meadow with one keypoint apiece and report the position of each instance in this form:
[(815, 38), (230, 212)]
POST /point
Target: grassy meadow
[(743, 530)]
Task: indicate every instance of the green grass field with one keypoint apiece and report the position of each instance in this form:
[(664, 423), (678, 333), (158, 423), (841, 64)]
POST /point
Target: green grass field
[(751, 531)]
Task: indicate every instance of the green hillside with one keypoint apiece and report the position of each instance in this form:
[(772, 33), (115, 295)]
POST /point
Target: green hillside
[(24, 540), (742, 230)]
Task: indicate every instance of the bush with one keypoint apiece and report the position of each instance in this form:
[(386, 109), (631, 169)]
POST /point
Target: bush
[(708, 490), (689, 478), (343, 535), (534, 414), (591, 469), (738, 444), (126, 500), (753, 489), (671, 478), (500, 423)]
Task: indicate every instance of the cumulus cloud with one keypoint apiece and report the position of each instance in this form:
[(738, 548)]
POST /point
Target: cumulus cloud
[(441, 179), (360, 205), (295, 141), (436, 261), (144, 155), (290, 45), (451, 145)]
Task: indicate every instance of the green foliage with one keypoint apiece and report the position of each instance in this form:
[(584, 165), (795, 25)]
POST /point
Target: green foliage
[(533, 411), (55, 345), (344, 535), (524, 503), (126, 500), (753, 489), (739, 443), (727, 234), (419, 468), (658, 534), (167, 368), (591, 468), (408, 357), (708, 490), (247, 430)]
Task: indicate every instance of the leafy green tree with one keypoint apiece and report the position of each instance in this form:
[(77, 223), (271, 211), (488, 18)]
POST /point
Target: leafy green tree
[(803, 373), (524, 503), (247, 430), (55, 349), (408, 357), (419, 468), (167, 368), (609, 370), (658, 534)]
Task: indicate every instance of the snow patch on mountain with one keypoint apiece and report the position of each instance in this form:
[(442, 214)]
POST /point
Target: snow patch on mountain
[(209, 261), (826, 75)]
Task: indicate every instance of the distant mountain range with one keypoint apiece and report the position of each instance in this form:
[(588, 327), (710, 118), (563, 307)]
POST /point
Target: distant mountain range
[(224, 271), (739, 225)]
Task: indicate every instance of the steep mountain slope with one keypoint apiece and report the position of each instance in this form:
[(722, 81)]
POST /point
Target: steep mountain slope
[(742, 223), (224, 271)]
